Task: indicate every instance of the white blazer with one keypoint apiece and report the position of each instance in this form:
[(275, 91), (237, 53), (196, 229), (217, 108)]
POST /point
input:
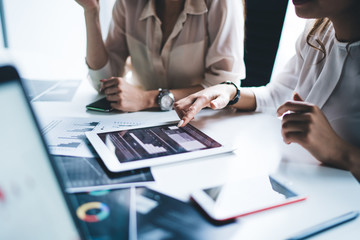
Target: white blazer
[(332, 83)]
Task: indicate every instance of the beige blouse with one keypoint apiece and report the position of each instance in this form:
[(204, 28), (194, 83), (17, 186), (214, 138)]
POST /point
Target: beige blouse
[(204, 48)]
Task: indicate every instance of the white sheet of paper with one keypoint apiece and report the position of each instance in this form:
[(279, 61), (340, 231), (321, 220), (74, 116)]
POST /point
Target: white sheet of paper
[(66, 136)]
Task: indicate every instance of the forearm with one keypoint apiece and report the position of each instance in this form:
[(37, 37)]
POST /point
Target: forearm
[(247, 101), (151, 95), (350, 155), (96, 55), (184, 92), (340, 154)]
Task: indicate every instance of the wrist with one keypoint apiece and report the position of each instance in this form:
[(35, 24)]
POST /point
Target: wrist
[(234, 94), (340, 155), (92, 12), (151, 98), (350, 155)]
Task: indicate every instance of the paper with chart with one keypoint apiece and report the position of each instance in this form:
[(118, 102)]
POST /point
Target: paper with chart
[(66, 136), (81, 174)]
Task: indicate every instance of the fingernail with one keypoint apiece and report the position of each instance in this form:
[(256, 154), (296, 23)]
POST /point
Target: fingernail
[(215, 105), (181, 122)]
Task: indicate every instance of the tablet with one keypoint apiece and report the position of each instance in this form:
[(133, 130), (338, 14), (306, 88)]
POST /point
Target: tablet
[(139, 147), (247, 196)]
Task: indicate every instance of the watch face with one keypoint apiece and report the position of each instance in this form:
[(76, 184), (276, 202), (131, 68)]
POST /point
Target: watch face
[(166, 102)]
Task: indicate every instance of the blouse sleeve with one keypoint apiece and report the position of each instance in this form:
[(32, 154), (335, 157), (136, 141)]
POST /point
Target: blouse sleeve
[(224, 59), (281, 88), (116, 47)]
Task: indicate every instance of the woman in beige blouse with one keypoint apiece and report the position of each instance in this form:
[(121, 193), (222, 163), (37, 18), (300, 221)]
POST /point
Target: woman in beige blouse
[(180, 46)]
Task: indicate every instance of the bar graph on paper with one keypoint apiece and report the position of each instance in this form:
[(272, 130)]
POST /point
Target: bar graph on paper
[(67, 136)]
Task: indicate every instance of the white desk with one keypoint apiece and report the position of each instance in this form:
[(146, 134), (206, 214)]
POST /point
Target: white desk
[(330, 192)]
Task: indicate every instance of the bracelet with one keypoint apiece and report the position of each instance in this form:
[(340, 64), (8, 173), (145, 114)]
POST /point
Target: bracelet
[(237, 95)]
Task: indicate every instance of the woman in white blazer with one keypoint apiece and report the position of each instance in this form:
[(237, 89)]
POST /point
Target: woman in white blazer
[(318, 91)]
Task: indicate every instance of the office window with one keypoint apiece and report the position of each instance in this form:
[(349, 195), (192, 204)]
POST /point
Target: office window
[(47, 37), (293, 27)]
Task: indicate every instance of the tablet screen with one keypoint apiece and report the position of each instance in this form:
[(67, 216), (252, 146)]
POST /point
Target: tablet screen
[(275, 188), (240, 198), (156, 141)]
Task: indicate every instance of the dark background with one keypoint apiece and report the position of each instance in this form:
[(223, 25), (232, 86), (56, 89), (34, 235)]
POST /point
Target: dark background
[(263, 25)]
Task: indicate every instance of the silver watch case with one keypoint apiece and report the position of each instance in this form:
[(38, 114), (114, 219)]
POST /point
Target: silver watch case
[(165, 99)]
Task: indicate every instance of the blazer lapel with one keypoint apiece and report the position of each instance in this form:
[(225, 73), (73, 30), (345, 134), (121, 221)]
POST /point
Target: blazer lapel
[(328, 78)]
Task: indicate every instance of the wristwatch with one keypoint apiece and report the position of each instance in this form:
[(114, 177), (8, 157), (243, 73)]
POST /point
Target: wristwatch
[(237, 95), (165, 99)]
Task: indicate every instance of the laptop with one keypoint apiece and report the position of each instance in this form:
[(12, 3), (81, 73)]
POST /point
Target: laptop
[(33, 204)]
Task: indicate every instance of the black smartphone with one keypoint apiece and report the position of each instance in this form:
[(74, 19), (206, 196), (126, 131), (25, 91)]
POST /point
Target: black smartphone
[(101, 105)]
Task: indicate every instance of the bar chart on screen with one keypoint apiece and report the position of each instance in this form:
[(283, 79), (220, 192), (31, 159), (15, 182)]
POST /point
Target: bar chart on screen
[(148, 147)]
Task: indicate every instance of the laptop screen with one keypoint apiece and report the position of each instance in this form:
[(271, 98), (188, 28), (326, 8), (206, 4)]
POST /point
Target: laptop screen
[(32, 205)]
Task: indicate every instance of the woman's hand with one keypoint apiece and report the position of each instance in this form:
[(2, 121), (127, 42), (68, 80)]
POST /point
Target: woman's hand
[(305, 124), (89, 4), (125, 97), (216, 97)]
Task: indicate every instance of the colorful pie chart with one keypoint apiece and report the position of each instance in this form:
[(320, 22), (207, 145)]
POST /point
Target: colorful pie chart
[(83, 212)]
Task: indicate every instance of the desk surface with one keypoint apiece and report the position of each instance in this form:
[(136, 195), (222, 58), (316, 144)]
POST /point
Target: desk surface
[(260, 149)]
